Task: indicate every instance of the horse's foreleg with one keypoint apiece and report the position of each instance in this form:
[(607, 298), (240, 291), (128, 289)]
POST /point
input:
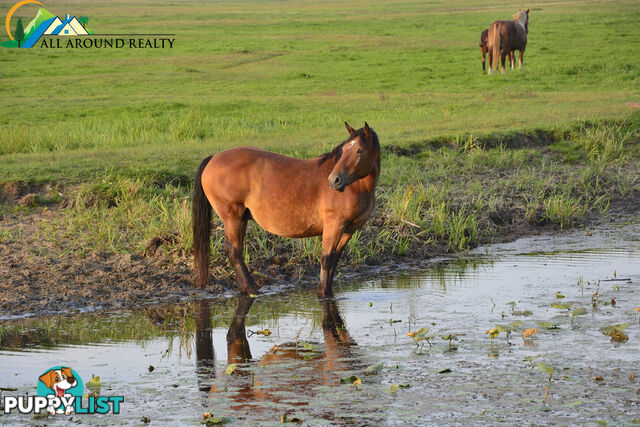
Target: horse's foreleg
[(235, 227), (331, 238), (339, 248)]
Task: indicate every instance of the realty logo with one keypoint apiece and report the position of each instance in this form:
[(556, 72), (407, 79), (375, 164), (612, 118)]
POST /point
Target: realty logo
[(60, 390), (47, 30), (45, 23)]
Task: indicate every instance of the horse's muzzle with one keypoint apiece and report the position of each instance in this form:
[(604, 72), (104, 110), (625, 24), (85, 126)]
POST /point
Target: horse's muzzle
[(337, 182)]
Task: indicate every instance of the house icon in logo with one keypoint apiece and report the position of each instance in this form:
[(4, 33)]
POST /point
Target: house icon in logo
[(55, 26)]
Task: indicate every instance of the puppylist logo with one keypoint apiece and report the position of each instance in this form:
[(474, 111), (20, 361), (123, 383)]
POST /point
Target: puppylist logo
[(60, 390), (47, 30)]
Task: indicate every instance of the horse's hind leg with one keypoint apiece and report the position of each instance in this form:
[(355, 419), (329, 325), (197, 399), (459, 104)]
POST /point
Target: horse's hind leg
[(503, 57), (512, 59), (235, 226), (520, 61)]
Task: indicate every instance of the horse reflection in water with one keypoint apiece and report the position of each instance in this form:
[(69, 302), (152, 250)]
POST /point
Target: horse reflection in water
[(205, 354), (296, 368)]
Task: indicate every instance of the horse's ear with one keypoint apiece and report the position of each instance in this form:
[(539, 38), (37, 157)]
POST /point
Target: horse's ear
[(349, 128), (367, 131), (527, 11)]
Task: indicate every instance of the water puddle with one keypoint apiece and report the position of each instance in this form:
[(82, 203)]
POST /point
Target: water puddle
[(291, 351)]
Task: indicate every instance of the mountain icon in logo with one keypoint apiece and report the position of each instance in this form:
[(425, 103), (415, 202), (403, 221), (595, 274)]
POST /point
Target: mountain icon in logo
[(47, 24)]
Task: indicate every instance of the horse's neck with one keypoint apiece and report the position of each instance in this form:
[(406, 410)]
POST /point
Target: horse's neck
[(519, 22)]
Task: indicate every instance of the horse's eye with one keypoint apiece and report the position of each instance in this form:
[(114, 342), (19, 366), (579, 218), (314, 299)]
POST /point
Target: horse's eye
[(359, 150)]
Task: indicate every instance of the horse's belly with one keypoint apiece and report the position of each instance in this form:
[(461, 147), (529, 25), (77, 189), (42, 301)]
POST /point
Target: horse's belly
[(286, 222)]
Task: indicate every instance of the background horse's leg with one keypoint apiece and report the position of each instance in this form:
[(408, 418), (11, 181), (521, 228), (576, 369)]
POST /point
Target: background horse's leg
[(235, 227), (503, 57), (512, 59), (331, 237), (520, 62)]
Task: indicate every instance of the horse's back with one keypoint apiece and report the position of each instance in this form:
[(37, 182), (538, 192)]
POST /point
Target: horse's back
[(270, 185)]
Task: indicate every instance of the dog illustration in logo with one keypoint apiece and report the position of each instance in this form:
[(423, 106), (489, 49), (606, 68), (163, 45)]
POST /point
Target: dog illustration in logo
[(59, 380)]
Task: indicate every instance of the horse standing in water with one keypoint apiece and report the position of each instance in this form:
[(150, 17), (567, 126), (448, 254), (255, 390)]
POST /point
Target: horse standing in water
[(331, 195), (505, 37)]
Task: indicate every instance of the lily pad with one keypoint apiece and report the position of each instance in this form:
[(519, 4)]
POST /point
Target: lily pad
[(373, 369), (230, 368)]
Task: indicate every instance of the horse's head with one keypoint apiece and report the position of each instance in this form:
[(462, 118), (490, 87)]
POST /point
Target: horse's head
[(358, 157), (523, 18)]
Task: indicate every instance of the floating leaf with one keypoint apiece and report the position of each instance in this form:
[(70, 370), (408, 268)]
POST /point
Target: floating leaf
[(523, 313), (530, 359), (637, 309), (493, 333), (544, 367), (349, 380), (618, 336), (619, 327), (449, 337), (265, 332), (515, 324), (357, 383), (310, 347), (219, 420), (579, 311), (529, 332), (547, 325), (94, 383), (420, 335), (444, 371), (374, 369), (393, 388), (503, 328), (230, 368), (565, 306), (559, 295)]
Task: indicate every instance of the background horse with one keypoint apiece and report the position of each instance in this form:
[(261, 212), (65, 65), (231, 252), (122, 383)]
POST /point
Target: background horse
[(505, 37), (331, 195), (484, 48)]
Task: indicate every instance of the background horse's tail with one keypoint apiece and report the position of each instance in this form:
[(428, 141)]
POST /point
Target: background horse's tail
[(494, 44), (201, 224)]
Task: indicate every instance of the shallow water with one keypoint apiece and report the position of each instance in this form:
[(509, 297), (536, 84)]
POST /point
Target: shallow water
[(313, 344)]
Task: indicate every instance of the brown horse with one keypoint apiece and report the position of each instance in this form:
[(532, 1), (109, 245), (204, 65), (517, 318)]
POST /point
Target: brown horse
[(484, 50), (505, 37), (331, 195)]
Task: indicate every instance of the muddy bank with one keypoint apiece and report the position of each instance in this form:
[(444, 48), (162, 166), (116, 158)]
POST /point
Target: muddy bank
[(42, 274)]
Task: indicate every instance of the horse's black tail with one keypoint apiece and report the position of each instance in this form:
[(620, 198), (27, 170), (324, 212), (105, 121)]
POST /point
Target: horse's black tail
[(201, 225)]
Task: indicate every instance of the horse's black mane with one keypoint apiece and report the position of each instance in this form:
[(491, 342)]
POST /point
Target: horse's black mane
[(336, 153)]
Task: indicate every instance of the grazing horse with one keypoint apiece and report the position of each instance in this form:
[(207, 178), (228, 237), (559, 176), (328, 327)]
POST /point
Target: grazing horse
[(331, 195), (505, 37), (484, 48)]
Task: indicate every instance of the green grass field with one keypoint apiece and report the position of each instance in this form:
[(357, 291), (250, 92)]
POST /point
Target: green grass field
[(132, 125)]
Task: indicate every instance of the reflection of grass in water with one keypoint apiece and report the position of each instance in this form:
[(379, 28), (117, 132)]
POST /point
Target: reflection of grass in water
[(168, 321)]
